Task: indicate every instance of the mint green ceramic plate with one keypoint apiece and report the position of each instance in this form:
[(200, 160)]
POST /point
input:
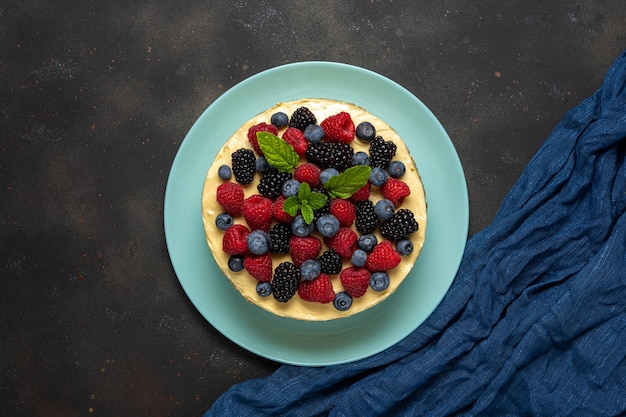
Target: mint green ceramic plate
[(338, 341)]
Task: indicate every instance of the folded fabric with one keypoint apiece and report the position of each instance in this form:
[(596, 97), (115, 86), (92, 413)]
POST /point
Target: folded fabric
[(535, 321)]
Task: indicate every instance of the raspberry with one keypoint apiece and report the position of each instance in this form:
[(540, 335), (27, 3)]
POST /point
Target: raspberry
[(382, 258), (243, 165), (344, 211), (355, 281), (362, 194), (271, 183), (230, 195), (252, 138), (366, 219), (260, 267), (344, 242), (304, 248), (235, 240), (318, 290), (400, 225), (381, 152), (257, 210), (277, 210), (295, 137), (309, 173), (285, 281), (301, 118), (279, 238), (338, 128), (330, 262), (395, 191), (330, 155)]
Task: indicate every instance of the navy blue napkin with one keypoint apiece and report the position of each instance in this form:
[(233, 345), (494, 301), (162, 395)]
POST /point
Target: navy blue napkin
[(535, 321)]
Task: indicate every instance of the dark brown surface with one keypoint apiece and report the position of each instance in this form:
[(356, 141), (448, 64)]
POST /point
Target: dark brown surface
[(95, 100)]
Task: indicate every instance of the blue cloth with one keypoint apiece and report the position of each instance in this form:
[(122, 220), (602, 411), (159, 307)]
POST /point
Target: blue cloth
[(535, 321)]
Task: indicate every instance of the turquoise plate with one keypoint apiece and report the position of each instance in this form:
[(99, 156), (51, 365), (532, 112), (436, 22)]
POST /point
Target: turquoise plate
[(337, 341)]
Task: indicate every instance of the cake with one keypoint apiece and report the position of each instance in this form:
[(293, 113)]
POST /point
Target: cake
[(280, 161)]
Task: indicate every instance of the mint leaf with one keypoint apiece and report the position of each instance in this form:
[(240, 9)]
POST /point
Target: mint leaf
[(291, 206), (317, 200), (348, 182), (304, 192), (307, 213), (278, 153)]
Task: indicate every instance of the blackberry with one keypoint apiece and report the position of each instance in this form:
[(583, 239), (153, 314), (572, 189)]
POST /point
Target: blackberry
[(325, 209), (285, 281), (401, 225), (271, 183), (330, 155), (301, 118), (381, 152), (330, 262), (366, 219), (279, 238), (243, 165)]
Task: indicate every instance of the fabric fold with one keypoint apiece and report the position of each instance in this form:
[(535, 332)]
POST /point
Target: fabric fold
[(535, 321)]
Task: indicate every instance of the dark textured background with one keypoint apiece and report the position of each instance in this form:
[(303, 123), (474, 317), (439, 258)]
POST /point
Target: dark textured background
[(95, 100)]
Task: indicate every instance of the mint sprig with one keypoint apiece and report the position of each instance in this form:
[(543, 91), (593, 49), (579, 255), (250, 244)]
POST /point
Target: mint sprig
[(306, 202), (348, 182), (277, 152)]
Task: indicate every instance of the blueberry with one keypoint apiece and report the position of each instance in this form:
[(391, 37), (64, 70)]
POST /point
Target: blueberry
[(327, 225), (327, 174), (342, 301), (365, 131), (279, 119), (290, 188), (360, 158), (404, 247), (264, 288), (235, 263), (258, 242), (223, 221), (310, 269), (396, 169), (224, 172), (261, 165), (359, 257), (384, 209), (378, 176), (300, 228), (379, 281), (367, 242), (314, 133)]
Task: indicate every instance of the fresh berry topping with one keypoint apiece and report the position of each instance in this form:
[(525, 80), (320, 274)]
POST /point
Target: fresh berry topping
[(310, 269), (330, 262), (355, 281), (301, 228), (279, 119), (264, 288), (230, 195), (360, 158), (223, 221), (327, 225), (285, 281), (366, 219), (362, 194), (400, 226), (379, 281), (235, 263), (235, 240), (277, 211), (344, 211), (279, 238), (261, 127), (224, 172), (381, 152), (290, 188), (338, 128), (257, 210), (383, 257), (296, 138), (378, 176), (358, 258), (342, 301), (395, 191), (261, 165), (243, 165), (271, 183), (301, 118), (327, 174), (304, 248), (259, 267), (404, 247), (344, 242), (367, 242), (384, 209), (330, 155), (396, 169), (258, 242), (318, 290), (365, 131), (308, 173), (314, 133)]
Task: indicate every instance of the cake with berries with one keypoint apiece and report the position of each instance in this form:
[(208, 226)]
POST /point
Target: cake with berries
[(314, 210)]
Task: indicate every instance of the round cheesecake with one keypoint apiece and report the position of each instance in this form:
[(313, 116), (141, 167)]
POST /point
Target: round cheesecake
[(296, 307)]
